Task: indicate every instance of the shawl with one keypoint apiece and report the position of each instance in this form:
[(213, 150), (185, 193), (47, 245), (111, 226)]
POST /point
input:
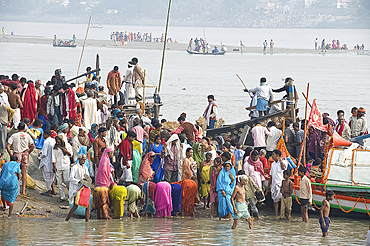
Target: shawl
[(340, 129), (258, 166), (198, 157), (208, 110), (103, 176), (125, 149), (168, 151), (30, 103), (224, 180), (72, 104), (146, 171), (93, 133)]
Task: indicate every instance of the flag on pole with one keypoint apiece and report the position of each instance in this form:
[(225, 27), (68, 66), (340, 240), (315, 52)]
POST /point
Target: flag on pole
[(316, 119)]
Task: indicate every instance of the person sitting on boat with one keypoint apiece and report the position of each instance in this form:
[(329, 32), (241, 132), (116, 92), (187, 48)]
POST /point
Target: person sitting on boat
[(264, 96), (359, 125), (90, 79), (215, 50)]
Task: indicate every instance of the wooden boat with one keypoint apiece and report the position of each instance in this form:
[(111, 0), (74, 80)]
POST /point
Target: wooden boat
[(62, 43), (193, 52)]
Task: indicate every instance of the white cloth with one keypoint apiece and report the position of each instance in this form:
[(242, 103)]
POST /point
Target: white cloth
[(4, 98), (20, 142), (126, 172), (368, 238), (263, 91), (60, 176), (48, 177), (77, 173), (167, 150), (358, 126), (16, 117), (254, 113), (213, 153), (46, 155), (112, 138), (62, 162), (90, 112), (276, 173), (207, 113), (259, 134), (273, 140), (146, 120), (131, 121), (76, 147)]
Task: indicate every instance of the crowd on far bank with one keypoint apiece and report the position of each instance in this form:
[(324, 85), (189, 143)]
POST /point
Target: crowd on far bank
[(334, 45), (121, 37)]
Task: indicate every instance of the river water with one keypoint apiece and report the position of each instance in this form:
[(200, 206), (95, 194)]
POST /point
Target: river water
[(337, 81), (179, 231)]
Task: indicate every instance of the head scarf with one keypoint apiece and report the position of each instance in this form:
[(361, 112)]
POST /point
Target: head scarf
[(93, 133), (198, 157), (104, 176), (63, 127), (361, 109), (83, 150), (146, 171), (53, 134), (168, 150), (30, 103), (258, 167), (224, 180)]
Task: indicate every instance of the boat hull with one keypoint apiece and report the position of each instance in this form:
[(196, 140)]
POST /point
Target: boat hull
[(192, 52)]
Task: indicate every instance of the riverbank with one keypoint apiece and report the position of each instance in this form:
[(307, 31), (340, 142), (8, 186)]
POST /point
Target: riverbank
[(159, 46)]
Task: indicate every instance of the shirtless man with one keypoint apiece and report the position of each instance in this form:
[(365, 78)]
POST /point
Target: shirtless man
[(240, 205), (324, 219), (15, 103)]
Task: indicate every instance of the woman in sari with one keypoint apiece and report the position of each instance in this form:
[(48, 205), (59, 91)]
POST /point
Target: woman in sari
[(30, 102), (93, 133), (163, 200), (189, 194), (136, 163), (118, 194), (149, 190), (198, 153), (156, 165), (225, 188), (176, 193), (101, 202), (9, 183), (253, 168), (104, 174), (189, 166), (146, 171), (133, 195)]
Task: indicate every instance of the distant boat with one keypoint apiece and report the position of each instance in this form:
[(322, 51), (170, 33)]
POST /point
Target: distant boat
[(193, 52), (96, 26), (62, 43)]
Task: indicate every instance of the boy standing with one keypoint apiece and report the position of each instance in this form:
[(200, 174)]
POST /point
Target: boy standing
[(305, 192), (286, 200), (324, 219), (240, 205)]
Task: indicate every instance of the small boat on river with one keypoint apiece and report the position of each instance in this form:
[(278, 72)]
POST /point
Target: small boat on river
[(193, 52), (63, 43)]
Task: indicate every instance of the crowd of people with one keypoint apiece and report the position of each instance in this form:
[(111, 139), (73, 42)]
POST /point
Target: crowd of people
[(334, 45), (84, 145), (122, 37), (201, 46)]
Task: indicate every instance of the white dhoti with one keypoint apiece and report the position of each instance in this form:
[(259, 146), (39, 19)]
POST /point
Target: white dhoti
[(48, 177), (17, 117), (126, 172), (276, 193)]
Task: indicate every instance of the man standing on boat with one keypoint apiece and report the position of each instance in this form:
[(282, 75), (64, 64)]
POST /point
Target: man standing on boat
[(138, 76), (114, 83), (359, 125), (264, 96), (342, 128), (129, 85), (211, 112)]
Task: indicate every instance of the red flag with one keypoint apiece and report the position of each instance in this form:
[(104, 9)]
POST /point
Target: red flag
[(315, 118)]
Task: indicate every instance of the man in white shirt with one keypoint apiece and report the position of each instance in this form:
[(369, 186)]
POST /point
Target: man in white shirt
[(276, 172), (264, 96), (46, 164), (129, 89), (359, 125), (342, 128), (259, 134), (78, 172), (272, 140), (23, 145), (61, 162)]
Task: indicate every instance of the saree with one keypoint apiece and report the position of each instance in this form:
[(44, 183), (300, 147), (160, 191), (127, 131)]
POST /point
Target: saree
[(133, 194), (198, 156), (136, 162), (189, 194), (176, 193), (145, 171), (206, 186), (149, 191), (156, 165), (9, 184), (101, 202), (163, 201), (223, 183), (118, 196), (30, 103), (104, 174)]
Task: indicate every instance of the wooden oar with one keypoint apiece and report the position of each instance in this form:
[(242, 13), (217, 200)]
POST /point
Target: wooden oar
[(237, 75), (84, 74)]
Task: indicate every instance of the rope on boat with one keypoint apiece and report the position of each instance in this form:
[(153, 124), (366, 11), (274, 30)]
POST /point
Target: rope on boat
[(313, 202), (347, 211), (367, 210), (296, 198)]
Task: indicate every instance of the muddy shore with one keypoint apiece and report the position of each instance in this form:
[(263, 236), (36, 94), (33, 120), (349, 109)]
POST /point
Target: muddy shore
[(159, 46)]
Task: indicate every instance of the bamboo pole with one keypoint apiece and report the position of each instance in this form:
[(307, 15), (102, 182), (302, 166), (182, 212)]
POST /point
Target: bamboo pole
[(83, 48), (164, 45), (237, 75), (144, 87), (303, 148), (306, 99)]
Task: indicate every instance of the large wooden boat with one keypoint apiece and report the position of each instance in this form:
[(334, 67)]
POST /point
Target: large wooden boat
[(193, 52)]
